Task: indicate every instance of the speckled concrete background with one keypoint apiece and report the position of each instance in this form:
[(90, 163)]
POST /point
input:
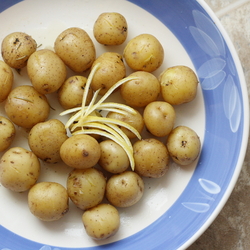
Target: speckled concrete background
[(231, 229)]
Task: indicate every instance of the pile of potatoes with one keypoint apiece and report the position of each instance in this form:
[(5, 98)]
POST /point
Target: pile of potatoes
[(101, 179)]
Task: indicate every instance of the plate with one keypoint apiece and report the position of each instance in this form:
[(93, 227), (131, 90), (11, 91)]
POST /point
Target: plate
[(179, 207)]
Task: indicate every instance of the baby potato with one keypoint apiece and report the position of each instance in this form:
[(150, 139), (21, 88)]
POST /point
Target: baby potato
[(110, 28), (178, 84), (7, 133), (183, 145), (26, 107), (141, 91), (113, 157), (110, 71), (46, 70), (101, 221), (16, 49), (80, 151), (124, 189), (144, 52), (151, 158), (45, 140), (159, 118), (134, 120), (86, 187), (19, 169), (75, 48), (48, 201), (71, 92), (6, 80)]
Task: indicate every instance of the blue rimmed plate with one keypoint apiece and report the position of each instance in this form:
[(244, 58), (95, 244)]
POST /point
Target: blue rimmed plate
[(177, 208)]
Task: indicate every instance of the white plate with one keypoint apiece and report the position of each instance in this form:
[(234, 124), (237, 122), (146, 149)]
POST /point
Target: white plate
[(177, 208)]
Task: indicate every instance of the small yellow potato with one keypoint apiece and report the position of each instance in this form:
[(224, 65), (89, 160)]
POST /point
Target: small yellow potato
[(135, 120), (124, 189), (183, 145), (46, 70), (113, 157), (101, 221), (16, 49), (110, 71), (7, 133), (159, 118), (140, 92), (80, 151), (151, 158), (45, 140), (110, 28), (178, 84), (26, 107), (71, 92), (76, 49), (144, 52), (6, 80), (86, 187), (48, 201), (19, 169)]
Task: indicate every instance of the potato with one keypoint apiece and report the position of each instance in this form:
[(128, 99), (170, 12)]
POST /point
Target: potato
[(7, 133), (75, 48), (6, 80), (16, 49), (144, 52), (151, 158), (134, 120), (26, 107), (159, 118), (113, 157), (48, 201), (140, 92), (71, 92), (46, 70), (124, 189), (183, 145), (80, 151), (19, 169), (110, 28), (101, 221), (86, 187), (45, 140), (110, 71), (178, 84)]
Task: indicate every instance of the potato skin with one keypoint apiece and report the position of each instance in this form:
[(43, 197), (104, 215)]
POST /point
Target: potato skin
[(6, 80), (48, 201), (45, 140), (124, 189), (86, 187), (159, 118), (110, 71), (71, 92), (78, 58), (113, 157), (46, 70), (80, 151), (178, 84), (110, 28), (26, 107), (101, 221), (19, 169), (183, 145), (16, 49), (144, 52), (7, 133), (151, 158), (140, 92)]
